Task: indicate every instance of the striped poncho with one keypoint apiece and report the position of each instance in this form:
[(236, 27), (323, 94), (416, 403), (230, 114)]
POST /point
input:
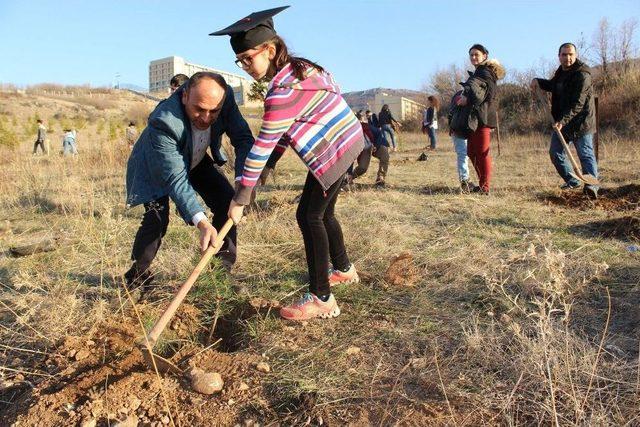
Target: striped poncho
[(311, 116)]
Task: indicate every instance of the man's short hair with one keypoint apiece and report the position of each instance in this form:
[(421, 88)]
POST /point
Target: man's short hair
[(368, 112), (563, 45), (200, 75), (178, 80)]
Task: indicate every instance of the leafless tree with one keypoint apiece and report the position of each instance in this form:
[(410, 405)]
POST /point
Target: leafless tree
[(602, 44)]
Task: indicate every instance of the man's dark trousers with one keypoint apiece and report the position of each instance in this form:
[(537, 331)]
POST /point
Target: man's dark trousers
[(215, 190)]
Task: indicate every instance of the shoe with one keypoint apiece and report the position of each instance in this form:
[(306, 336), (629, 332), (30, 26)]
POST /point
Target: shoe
[(569, 185), (380, 184), (591, 192), (310, 307), (337, 277), (136, 280), (466, 186), (479, 190)]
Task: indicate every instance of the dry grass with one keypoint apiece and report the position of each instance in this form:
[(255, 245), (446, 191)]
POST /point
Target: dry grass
[(518, 317)]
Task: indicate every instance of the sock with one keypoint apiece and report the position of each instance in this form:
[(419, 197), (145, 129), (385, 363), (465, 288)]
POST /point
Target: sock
[(324, 298)]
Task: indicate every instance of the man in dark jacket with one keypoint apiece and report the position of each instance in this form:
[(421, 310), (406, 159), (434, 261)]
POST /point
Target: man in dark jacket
[(170, 161), (573, 110)]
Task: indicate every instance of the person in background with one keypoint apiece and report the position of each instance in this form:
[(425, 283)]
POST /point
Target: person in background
[(304, 110), (573, 110), (377, 147), (372, 119), (177, 81), (460, 146), (486, 75), (69, 145), (430, 120), (388, 124), (40, 139), (131, 134)]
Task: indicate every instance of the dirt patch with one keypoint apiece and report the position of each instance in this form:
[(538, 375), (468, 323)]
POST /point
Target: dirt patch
[(104, 380), (402, 270), (625, 228), (624, 198)]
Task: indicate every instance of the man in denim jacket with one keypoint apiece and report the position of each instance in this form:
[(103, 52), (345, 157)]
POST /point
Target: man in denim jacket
[(169, 161)]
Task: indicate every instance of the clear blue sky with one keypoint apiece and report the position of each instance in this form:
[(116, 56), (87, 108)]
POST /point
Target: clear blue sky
[(365, 44)]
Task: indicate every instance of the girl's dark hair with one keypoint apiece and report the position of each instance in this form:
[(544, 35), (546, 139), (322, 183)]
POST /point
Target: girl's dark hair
[(435, 101), (479, 47), (298, 63)]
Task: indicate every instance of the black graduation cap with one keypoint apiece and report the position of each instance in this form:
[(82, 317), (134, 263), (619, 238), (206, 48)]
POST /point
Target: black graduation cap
[(251, 30)]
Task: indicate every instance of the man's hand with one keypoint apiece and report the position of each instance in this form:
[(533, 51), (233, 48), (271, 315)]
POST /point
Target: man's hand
[(264, 175), (558, 125), (235, 212), (462, 100), (207, 234)]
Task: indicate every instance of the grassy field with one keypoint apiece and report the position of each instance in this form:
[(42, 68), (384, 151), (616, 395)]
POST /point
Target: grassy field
[(518, 308)]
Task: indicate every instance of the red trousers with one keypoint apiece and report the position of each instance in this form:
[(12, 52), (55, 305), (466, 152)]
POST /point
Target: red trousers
[(478, 145)]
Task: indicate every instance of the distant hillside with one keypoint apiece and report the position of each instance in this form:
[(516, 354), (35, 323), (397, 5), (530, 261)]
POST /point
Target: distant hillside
[(363, 99)]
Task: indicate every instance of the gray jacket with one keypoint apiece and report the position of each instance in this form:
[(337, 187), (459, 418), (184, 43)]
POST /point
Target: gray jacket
[(160, 161)]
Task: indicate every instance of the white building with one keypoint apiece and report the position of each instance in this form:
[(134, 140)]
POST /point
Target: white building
[(401, 108), (162, 70)]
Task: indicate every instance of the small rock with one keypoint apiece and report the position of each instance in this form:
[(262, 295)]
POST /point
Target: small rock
[(263, 367), (353, 351), (490, 313), (231, 402), (206, 382), (82, 354), (90, 343), (304, 323), (166, 420), (71, 353), (243, 387), (123, 410), (249, 422), (352, 371)]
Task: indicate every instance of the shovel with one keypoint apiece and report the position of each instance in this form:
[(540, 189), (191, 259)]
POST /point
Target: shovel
[(155, 361), (586, 178)]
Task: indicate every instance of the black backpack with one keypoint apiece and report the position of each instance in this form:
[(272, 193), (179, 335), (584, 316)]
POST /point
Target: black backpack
[(463, 120)]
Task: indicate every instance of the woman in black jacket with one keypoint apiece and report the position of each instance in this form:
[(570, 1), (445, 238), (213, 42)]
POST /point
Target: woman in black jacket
[(481, 94)]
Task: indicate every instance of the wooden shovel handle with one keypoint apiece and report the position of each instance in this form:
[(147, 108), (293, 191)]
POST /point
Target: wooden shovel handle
[(162, 322)]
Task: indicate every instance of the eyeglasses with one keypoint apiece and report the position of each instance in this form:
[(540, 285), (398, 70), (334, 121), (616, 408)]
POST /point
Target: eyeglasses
[(248, 60)]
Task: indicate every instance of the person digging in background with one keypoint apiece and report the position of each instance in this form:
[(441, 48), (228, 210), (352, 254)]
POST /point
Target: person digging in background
[(69, 145), (303, 109), (573, 109), (170, 161), (481, 96), (430, 120)]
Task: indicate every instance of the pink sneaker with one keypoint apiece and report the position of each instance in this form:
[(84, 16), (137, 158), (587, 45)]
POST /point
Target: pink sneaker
[(337, 277), (310, 307)]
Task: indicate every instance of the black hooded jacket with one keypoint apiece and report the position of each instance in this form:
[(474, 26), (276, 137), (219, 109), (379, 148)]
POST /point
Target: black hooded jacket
[(572, 102), (482, 90)]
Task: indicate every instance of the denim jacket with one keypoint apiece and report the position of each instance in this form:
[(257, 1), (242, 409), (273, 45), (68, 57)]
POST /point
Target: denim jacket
[(160, 161)]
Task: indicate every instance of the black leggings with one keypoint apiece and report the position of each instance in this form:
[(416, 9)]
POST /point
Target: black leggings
[(321, 233)]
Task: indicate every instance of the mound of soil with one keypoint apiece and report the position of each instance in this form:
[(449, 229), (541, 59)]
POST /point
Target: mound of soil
[(625, 198), (104, 381), (402, 270), (625, 228)]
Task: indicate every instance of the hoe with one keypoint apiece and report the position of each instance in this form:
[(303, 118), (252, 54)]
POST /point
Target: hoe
[(153, 360)]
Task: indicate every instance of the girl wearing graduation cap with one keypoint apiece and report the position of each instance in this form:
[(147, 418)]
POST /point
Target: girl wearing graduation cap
[(303, 109)]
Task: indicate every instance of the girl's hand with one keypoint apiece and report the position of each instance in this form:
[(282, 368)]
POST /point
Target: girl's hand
[(235, 212)]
